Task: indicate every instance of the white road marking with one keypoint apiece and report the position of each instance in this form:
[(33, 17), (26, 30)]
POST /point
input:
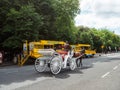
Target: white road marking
[(16, 85), (105, 75), (115, 67), (109, 72), (12, 72)]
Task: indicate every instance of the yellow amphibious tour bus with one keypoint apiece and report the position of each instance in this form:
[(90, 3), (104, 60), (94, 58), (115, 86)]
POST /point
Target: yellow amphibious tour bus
[(88, 51), (31, 49)]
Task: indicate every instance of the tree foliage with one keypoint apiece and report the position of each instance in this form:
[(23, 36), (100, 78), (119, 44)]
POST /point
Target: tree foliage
[(36, 19), (97, 38), (20, 25)]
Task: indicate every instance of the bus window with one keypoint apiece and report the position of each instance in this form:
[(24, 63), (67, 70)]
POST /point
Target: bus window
[(48, 46), (58, 46), (38, 46)]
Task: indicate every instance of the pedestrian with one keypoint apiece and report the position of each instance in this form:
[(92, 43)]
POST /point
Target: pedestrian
[(115, 49), (109, 49), (1, 57)]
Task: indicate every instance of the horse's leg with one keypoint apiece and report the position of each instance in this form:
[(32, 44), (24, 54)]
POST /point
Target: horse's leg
[(78, 62), (81, 62)]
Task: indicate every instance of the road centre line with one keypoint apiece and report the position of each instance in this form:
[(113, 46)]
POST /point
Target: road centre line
[(115, 67), (109, 72), (105, 75)]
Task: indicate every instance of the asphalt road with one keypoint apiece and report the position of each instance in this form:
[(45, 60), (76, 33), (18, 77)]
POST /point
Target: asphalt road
[(98, 73)]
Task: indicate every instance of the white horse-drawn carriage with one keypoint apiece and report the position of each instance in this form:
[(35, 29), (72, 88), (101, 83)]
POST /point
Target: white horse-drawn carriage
[(55, 60)]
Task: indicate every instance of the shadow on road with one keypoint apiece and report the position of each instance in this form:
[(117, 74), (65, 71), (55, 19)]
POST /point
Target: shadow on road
[(65, 73), (20, 75)]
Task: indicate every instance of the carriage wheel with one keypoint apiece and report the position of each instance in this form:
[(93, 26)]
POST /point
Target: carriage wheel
[(40, 64), (72, 64), (55, 65)]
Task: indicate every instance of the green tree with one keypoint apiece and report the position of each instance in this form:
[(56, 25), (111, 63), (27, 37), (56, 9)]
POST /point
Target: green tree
[(65, 10), (83, 35), (97, 40), (21, 25), (36, 19)]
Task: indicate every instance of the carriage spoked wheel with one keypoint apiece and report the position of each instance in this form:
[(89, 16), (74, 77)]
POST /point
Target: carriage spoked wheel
[(72, 64), (56, 64), (40, 64)]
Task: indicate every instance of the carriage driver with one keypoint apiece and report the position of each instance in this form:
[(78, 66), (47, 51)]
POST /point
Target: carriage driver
[(67, 47)]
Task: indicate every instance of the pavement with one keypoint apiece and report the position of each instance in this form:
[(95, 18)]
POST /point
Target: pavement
[(6, 64)]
